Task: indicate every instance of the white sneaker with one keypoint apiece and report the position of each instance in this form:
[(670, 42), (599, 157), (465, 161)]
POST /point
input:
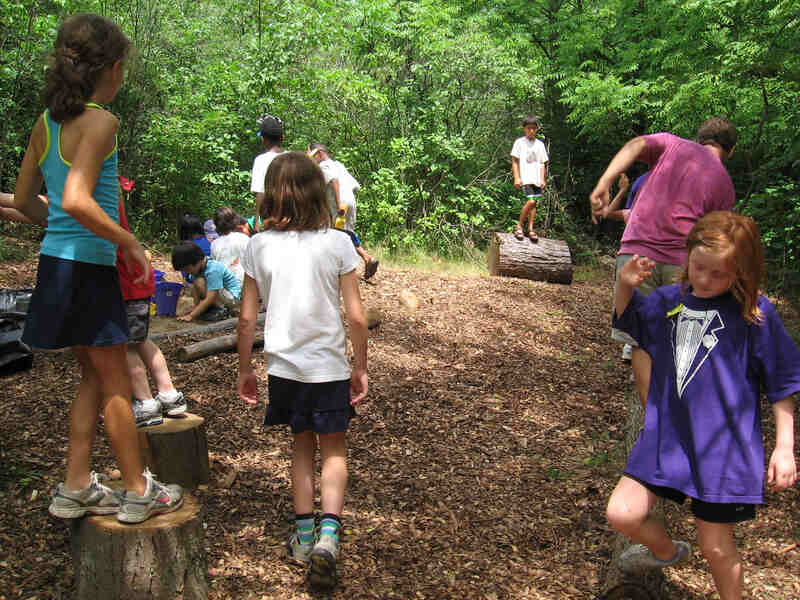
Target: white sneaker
[(627, 352), (147, 412), (172, 406)]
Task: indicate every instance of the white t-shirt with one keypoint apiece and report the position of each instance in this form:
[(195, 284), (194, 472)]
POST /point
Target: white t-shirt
[(297, 274), (532, 155), (260, 166), (333, 169), (228, 249)]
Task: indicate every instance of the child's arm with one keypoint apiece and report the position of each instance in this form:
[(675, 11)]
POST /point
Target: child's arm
[(247, 384), (9, 212), (25, 199), (613, 211), (341, 208), (515, 171), (357, 321), (636, 270), (782, 470), (628, 154), (202, 306), (544, 175)]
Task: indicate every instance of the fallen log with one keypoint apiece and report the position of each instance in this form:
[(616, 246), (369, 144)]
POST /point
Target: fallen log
[(223, 343), (211, 327), (546, 260)]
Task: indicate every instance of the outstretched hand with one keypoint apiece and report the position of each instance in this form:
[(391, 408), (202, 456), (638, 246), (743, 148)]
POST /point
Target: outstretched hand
[(635, 271), (358, 386), (598, 200)]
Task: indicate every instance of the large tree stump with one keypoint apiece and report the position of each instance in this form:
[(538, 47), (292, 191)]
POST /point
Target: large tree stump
[(545, 260), (160, 559), (177, 450)]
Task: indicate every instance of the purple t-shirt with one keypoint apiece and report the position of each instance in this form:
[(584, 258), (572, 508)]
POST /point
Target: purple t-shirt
[(702, 429), (686, 182)]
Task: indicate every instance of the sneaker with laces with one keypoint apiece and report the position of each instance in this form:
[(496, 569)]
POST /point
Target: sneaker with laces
[(158, 498), (298, 551), (96, 499), (638, 558), (172, 407), (147, 413), (323, 559), (627, 353)]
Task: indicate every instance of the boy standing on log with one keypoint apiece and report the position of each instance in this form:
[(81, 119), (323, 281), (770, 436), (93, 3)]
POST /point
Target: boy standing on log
[(529, 168), (687, 180)]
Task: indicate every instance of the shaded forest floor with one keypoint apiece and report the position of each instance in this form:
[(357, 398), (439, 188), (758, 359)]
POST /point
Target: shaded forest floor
[(480, 463)]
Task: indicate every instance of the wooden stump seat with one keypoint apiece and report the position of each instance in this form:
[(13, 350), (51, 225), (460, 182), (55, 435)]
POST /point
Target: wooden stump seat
[(160, 559), (177, 450), (545, 260)]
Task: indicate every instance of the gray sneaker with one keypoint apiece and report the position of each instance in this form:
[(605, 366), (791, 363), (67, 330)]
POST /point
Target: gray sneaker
[(638, 558), (323, 562), (97, 499), (172, 408), (147, 414), (158, 498), (298, 551)]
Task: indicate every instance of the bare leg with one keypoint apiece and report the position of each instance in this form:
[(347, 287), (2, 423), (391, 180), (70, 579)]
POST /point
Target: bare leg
[(303, 472), (719, 548), (524, 214), (641, 364), (333, 454), (82, 424), (139, 383), (154, 360), (531, 214), (111, 367), (628, 512)]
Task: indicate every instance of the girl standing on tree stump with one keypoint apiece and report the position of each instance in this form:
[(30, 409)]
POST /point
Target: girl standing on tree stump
[(77, 301)]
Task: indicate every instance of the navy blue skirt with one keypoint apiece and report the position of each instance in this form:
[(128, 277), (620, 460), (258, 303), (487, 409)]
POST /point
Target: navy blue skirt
[(75, 304), (318, 407)]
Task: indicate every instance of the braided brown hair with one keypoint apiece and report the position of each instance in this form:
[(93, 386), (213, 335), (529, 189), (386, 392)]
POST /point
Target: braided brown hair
[(85, 45)]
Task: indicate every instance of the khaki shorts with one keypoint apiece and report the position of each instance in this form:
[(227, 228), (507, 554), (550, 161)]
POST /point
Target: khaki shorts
[(663, 274)]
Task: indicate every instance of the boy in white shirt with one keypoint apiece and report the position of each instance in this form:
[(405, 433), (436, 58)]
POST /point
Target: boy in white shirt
[(270, 130), (529, 167), (231, 243)]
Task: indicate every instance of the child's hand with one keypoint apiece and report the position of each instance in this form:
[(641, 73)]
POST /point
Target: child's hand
[(782, 470), (636, 270), (517, 182), (598, 199), (358, 386), (135, 254), (248, 387), (186, 317)]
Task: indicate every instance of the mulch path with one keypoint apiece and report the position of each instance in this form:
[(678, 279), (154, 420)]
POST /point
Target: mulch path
[(479, 465)]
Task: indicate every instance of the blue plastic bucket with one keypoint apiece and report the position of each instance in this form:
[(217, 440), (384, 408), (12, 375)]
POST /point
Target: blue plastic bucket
[(167, 294)]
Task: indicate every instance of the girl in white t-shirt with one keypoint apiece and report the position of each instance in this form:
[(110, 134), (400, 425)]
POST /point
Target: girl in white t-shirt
[(300, 266), (231, 243)]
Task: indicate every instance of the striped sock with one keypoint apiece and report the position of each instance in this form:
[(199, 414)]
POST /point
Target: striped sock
[(304, 525), (330, 525)]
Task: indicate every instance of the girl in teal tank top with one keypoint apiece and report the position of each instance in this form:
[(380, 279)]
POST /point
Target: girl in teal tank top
[(77, 301)]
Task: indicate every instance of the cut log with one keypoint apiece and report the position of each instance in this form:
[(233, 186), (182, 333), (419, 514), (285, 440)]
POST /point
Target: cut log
[(177, 450), (160, 559), (545, 260), (211, 327), (223, 343)]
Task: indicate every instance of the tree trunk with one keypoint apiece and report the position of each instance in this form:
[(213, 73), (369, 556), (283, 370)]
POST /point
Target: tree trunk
[(177, 450), (215, 345), (160, 559), (545, 260)]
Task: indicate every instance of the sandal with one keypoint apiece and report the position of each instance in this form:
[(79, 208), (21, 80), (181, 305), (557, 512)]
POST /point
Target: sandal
[(519, 234), (532, 235)]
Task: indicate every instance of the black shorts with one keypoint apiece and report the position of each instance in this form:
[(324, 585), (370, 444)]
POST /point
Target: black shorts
[(711, 512), (531, 190), (75, 304), (319, 407)]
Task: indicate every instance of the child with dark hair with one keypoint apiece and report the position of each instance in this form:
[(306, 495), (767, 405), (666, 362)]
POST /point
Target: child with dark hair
[(191, 229), (716, 346), (231, 243), (529, 168), (270, 130), (214, 288), (77, 301), (300, 268)]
